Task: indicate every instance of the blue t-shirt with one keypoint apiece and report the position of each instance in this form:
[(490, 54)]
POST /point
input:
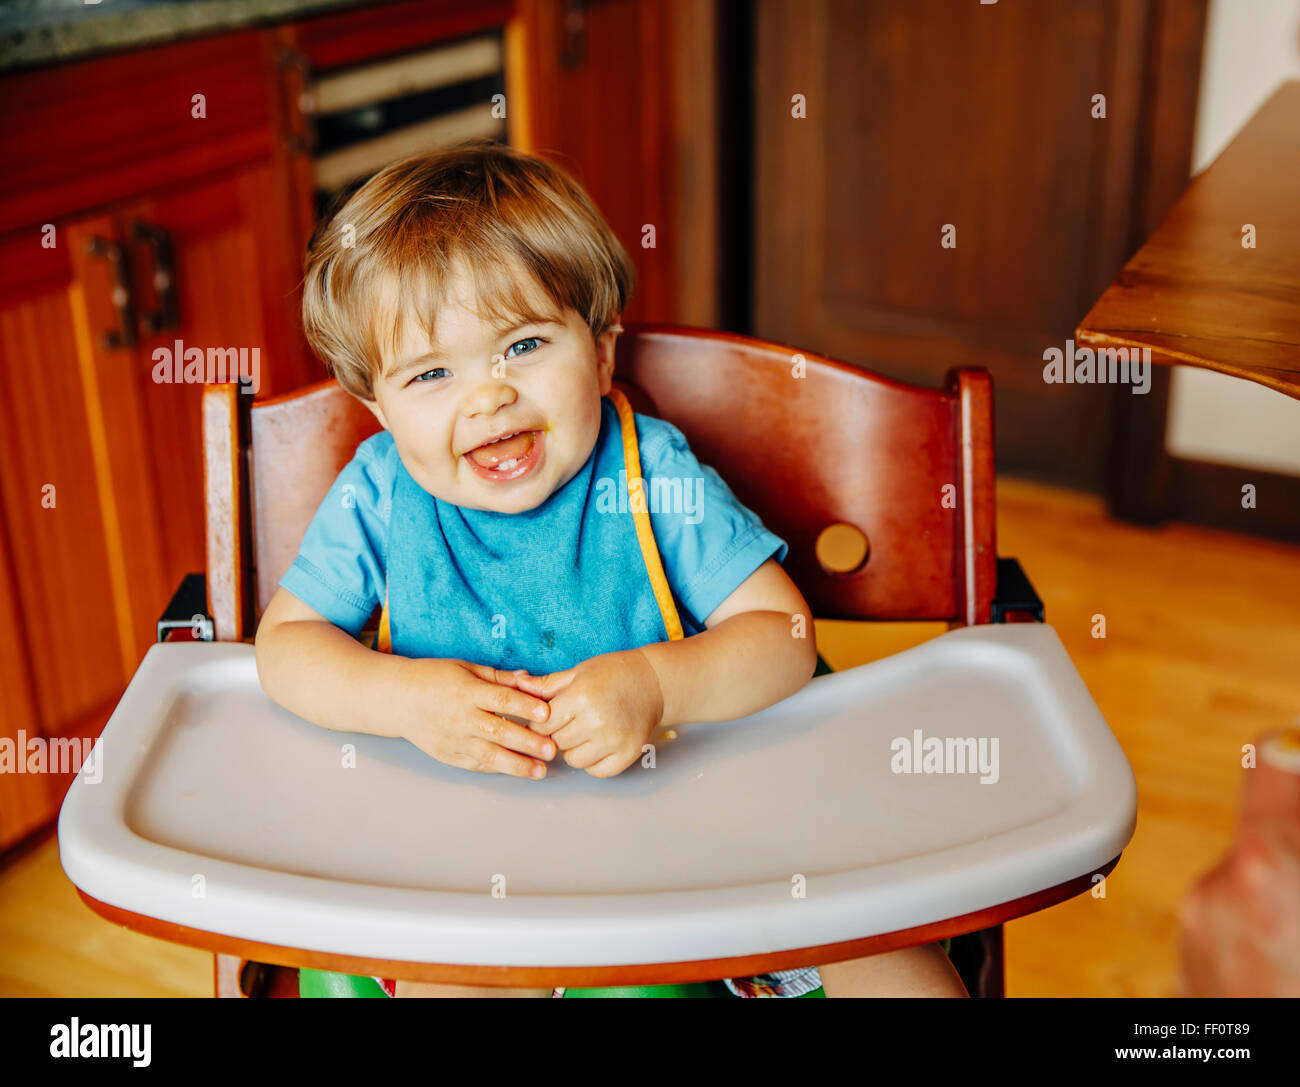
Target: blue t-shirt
[(708, 542)]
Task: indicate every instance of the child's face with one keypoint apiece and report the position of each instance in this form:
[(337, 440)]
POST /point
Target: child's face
[(546, 385)]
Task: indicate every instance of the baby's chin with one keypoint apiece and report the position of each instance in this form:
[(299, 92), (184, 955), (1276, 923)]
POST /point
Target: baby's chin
[(511, 503), (502, 497)]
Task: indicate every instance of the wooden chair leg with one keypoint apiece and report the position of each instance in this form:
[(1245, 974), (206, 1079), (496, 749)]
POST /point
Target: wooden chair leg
[(238, 977), (978, 959), (226, 975), (280, 982)]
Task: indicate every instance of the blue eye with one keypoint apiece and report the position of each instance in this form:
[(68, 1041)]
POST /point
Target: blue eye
[(420, 378), (527, 339)]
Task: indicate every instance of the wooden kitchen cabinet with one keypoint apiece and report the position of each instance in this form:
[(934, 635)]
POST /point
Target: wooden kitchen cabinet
[(203, 150), (58, 662), (102, 493), (949, 194), (101, 496), (628, 95), (232, 284), (25, 799), (58, 535)]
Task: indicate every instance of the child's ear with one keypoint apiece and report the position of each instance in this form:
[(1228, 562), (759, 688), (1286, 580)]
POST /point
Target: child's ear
[(375, 410), (605, 357)]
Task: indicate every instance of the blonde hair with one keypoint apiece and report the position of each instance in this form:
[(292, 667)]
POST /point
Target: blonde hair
[(491, 206)]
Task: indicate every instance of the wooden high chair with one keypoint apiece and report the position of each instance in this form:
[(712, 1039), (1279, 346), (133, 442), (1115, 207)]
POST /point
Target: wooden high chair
[(804, 441)]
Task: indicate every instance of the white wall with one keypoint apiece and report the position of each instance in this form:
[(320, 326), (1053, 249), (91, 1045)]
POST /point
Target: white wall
[(1250, 47)]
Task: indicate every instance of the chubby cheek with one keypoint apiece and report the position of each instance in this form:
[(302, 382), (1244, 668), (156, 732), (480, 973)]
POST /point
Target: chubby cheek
[(433, 453), (589, 426)]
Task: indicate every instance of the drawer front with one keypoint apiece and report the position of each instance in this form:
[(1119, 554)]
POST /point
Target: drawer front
[(84, 135)]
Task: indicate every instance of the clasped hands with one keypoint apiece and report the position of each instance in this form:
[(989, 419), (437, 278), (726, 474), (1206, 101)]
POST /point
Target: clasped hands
[(473, 716), (602, 711)]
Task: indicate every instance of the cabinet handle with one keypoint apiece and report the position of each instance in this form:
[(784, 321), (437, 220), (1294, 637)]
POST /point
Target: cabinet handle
[(573, 27), (116, 256), (164, 278), (297, 78)]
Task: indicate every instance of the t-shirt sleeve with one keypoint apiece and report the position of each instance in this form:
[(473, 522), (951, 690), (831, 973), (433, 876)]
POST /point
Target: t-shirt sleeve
[(709, 542), (339, 570)]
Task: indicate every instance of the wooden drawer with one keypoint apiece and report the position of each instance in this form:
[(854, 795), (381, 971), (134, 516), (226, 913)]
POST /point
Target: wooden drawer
[(82, 136)]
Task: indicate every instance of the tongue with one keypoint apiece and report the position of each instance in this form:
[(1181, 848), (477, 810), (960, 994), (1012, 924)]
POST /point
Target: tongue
[(489, 456)]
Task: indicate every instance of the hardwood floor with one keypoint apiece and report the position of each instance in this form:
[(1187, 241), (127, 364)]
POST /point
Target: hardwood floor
[(1202, 639)]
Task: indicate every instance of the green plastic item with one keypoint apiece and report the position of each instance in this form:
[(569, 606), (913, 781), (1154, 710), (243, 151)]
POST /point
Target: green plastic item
[(323, 983)]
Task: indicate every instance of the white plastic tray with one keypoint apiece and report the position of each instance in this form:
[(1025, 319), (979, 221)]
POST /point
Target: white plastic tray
[(697, 858)]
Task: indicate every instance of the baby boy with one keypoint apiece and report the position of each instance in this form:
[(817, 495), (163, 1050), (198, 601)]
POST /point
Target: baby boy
[(470, 298)]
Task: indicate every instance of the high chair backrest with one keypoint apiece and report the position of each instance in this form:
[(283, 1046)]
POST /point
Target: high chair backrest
[(806, 442)]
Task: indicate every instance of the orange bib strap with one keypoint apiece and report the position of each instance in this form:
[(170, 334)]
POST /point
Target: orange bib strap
[(384, 641), (644, 533), (636, 501)]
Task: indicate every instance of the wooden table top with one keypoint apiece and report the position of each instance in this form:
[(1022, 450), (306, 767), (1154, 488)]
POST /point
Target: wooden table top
[(1194, 293)]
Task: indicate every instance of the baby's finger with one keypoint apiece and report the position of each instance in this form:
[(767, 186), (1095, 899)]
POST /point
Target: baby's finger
[(506, 679), (560, 717), (499, 676), (493, 759), (547, 686), (524, 682), (608, 767), (495, 698), (584, 755), (570, 736), (514, 737)]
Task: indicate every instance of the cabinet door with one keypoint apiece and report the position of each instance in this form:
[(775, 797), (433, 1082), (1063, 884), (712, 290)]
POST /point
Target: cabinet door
[(62, 571), (116, 395), (223, 247), (626, 96), (63, 531), (27, 801), (952, 198)]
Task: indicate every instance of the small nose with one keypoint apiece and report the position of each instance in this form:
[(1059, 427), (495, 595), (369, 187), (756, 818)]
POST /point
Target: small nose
[(486, 398)]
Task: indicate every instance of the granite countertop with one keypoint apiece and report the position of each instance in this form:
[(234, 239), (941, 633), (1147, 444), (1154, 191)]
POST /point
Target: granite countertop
[(38, 32)]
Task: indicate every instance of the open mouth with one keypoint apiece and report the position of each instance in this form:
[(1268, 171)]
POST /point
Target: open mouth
[(511, 456)]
